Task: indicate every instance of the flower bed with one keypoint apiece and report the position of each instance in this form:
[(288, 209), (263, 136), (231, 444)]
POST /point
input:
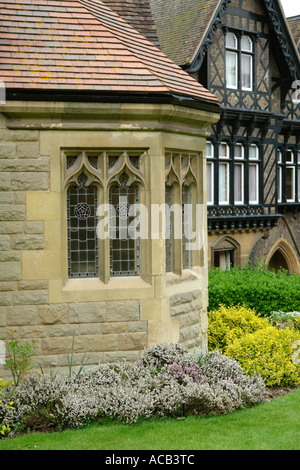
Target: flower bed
[(166, 381)]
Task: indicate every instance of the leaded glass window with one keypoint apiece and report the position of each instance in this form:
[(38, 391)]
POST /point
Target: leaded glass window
[(186, 226), (124, 236), (83, 254), (169, 229)]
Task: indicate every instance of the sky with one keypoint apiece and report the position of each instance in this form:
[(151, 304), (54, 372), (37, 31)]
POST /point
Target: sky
[(291, 7)]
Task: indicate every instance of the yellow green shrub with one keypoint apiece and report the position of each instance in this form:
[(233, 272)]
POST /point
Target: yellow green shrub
[(269, 352), (229, 323)]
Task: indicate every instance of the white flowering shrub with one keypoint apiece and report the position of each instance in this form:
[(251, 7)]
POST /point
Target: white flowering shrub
[(166, 381)]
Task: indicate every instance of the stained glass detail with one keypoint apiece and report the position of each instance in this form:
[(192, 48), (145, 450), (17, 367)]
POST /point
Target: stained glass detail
[(83, 253), (82, 211), (186, 227), (169, 230), (124, 248)]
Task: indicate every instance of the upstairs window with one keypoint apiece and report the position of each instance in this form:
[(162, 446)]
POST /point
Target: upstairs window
[(288, 175), (233, 174), (231, 61), (239, 62)]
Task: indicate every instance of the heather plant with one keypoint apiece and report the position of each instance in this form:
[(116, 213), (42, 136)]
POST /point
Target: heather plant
[(284, 319), (166, 381)]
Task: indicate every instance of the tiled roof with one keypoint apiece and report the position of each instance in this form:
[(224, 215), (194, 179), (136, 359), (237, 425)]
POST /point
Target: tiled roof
[(138, 14), (294, 24), (181, 26), (83, 45)]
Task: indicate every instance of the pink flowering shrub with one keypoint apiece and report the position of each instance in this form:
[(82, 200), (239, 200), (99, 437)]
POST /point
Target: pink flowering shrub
[(166, 381)]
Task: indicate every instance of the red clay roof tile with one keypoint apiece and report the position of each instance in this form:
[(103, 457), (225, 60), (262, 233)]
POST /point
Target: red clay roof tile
[(83, 45)]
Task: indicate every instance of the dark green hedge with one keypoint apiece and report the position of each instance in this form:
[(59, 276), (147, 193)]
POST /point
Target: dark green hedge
[(256, 288)]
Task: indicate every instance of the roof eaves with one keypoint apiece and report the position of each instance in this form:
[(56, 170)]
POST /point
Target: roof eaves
[(190, 64)]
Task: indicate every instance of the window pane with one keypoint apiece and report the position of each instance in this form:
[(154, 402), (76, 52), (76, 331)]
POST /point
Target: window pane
[(253, 152), (238, 151), (223, 150), (209, 150), (223, 259), (246, 72), (231, 41), (124, 245), (279, 184), (169, 230), (253, 184), (289, 156), (209, 179), (238, 184), (246, 44), (289, 184), (231, 69), (223, 183), (299, 184), (82, 236), (186, 227), (298, 157)]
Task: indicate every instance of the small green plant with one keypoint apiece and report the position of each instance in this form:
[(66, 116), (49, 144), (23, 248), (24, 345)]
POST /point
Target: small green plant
[(19, 357), (70, 361)]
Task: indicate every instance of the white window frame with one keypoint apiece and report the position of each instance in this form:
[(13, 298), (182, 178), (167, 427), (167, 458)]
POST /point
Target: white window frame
[(223, 160), (210, 162), (223, 202), (279, 161), (236, 202), (247, 53), (210, 201), (256, 201), (293, 183), (237, 51), (232, 51)]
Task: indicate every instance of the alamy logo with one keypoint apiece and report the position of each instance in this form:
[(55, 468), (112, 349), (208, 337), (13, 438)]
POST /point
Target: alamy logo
[(162, 221)]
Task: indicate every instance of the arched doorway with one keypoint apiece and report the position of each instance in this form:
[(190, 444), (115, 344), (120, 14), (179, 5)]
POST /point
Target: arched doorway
[(283, 256), (278, 262)]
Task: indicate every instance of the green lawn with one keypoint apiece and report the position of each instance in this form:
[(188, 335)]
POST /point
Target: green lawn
[(270, 426)]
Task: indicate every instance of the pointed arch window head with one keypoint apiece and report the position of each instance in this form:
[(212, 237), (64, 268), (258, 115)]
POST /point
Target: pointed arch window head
[(95, 180), (181, 183)]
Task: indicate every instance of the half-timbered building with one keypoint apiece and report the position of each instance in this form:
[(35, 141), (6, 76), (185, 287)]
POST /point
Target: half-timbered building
[(246, 53)]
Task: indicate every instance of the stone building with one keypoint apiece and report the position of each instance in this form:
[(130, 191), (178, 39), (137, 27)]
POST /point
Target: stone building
[(97, 122), (246, 53)]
